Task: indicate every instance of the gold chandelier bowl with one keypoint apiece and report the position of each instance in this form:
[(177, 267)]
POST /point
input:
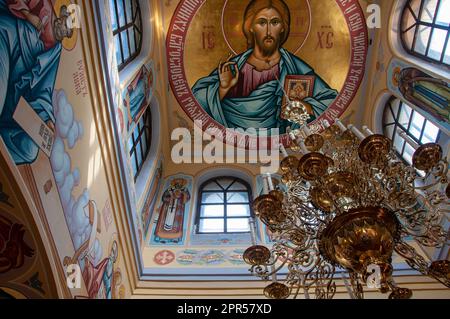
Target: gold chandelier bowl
[(440, 268), (374, 149), (401, 293), (360, 237), (321, 200), (427, 156), (313, 166), (314, 142), (289, 164), (269, 209), (277, 290), (341, 184), (256, 255)]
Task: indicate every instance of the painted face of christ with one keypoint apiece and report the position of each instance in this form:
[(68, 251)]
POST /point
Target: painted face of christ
[(267, 28)]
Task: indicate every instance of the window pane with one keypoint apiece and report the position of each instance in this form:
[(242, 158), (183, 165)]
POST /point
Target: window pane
[(416, 125), (144, 144), (237, 186), (129, 14), (212, 187), (211, 226), (398, 143), (112, 13), (121, 12), (132, 41), (430, 133), (136, 131), (389, 131), (117, 47), (437, 44), (409, 151), (130, 143), (428, 11), (225, 182), (236, 225), (212, 198), (126, 51), (423, 35), (443, 16), (405, 115), (238, 210), (240, 197), (133, 164), (388, 117), (212, 211), (139, 152), (447, 52)]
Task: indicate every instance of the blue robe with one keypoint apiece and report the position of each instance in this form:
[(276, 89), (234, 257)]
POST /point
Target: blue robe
[(137, 97), (262, 108), (28, 71)]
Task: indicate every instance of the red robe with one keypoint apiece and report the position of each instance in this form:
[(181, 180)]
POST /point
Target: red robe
[(41, 8)]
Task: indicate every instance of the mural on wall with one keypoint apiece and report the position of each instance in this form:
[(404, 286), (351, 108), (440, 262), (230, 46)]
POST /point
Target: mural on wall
[(42, 112), (257, 54), (137, 95), (199, 257), (430, 94), (152, 197), (13, 248), (30, 50), (24, 267), (170, 223)]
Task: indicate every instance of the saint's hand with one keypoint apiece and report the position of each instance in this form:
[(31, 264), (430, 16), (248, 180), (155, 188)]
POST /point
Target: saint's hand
[(227, 79), (35, 21)]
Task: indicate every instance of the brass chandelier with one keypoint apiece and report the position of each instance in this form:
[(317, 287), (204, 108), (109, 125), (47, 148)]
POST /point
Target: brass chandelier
[(350, 202)]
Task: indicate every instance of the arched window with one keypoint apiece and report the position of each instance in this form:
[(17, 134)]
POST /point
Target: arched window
[(126, 21), (425, 29), (398, 117), (140, 141), (224, 206)]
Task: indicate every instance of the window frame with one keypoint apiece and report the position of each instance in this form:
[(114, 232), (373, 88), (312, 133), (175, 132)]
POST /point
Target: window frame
[(200, 193), (407, 9), (396, 123), (146, 130), (130, 25)]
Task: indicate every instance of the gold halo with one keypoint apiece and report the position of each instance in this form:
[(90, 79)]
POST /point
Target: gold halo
[(233, 13), (67, 43)]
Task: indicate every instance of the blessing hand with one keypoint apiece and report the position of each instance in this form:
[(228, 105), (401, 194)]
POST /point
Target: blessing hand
[(226, 77)]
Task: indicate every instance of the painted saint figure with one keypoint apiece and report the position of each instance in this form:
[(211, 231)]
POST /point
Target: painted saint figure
[(246, 91), (430, 94), (169, 228), (30, 50), (138, 92)]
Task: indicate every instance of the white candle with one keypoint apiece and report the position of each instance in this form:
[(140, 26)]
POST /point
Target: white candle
[(357, 132), (407, 139), (283, 151), (265, 186), (340, 125), (303, 147), (367, 131), (307, 130), (270, 182)]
